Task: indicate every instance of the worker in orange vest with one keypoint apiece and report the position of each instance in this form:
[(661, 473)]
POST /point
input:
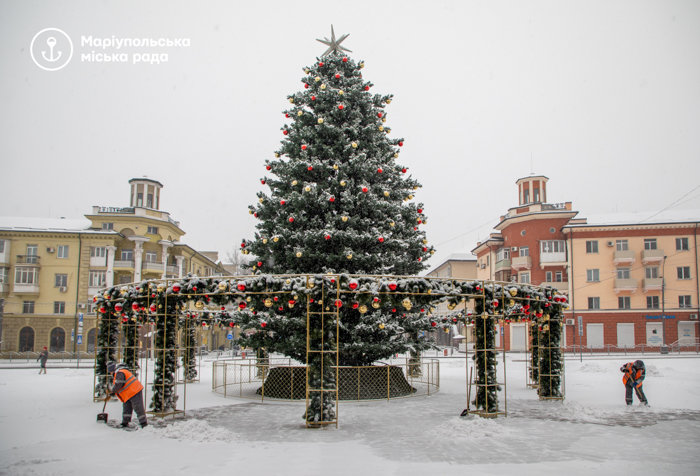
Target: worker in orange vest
[(633, 377), (129, 391)]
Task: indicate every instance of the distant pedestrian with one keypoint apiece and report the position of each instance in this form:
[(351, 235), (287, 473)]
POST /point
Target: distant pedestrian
[(129, 391), (634, 373), (43, 357)]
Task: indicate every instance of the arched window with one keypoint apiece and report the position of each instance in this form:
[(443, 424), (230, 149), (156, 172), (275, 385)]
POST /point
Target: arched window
[(91, 340), (58, 340), (26, 339)]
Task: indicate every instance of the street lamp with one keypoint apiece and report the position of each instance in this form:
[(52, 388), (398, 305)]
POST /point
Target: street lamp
[(663, 304)]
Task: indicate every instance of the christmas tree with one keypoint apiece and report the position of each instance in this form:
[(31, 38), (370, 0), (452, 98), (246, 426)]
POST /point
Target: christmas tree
[(338, 202)]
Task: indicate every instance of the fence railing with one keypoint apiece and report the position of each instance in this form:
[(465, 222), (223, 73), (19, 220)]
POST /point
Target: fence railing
[(53, 356), (676, 348)]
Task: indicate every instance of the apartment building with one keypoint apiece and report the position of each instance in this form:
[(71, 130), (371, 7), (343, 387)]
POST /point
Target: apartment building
[(634, 280), (51, 268)]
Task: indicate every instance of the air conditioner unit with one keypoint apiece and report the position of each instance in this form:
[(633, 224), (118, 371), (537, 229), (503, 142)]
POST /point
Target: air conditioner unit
[(483, 265), (81, 305), (513, 248), (693, 317), (63, 289), (611, 244), (50, 250), (569, 322)]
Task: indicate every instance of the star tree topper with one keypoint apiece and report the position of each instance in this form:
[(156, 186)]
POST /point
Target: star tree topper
[(333, 44)]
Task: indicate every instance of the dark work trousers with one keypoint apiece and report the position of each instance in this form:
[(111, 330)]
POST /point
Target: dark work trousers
[(134, 404), (629, 388)]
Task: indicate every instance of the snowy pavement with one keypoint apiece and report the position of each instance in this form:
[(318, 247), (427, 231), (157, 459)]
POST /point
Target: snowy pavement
[(48, 427)]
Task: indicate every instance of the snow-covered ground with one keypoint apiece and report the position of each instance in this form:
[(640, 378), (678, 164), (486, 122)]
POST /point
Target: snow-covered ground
[(48, 426)]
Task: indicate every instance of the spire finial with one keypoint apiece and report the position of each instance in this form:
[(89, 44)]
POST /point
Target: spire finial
[(333, 44)]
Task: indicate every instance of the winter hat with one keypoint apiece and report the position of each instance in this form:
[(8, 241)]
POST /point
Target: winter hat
[(111, 366)]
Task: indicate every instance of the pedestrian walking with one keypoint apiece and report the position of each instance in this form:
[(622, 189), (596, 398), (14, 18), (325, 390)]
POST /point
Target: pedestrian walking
[(43, 357)]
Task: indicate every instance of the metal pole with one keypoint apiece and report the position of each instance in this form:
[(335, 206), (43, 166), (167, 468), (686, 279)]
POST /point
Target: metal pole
[(663, 303)]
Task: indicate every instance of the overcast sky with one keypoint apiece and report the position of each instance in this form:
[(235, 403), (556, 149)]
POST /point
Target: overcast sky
[(603, 97)]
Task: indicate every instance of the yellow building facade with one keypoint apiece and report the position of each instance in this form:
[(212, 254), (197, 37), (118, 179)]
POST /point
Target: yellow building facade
[(50, 269)]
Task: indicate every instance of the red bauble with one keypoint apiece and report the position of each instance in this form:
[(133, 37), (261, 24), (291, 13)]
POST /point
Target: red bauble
[(153, 308), (403, 170), (282, 202), (309, 168), (433, 323), (420, 210), (176, 288), (285, 132), (303, 147), (352, 285), (379, 114), (365, 189), (241, 286), (262, 181), (331, 199), (268, 167), (291, 219), (320, 63), (420, 221), (381, 239), (263, 324), (345, 59), (340, 106), (306, 86), (231, 324), (292, 302), (379, 170), (327, 237), (313, 98), (242, 305), (425, 249), (355, 305), (243, 245), (223, 308), (392, 286), (338, 303), (275, 298), (118, 307), (337, 76), (400, 143), (135, 306), (366, 88), (260, 263)]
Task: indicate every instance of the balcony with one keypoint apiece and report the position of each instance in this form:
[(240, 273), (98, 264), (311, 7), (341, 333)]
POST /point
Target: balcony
[(653, 284), (123, 264), (561, 286), (26, 288), (28, 260), (502, 265), (98, 261), (557, 258), (152, 267), (521, 262), (625, 285), (172, 271), (652, 256), (623, 257), (4, 288)]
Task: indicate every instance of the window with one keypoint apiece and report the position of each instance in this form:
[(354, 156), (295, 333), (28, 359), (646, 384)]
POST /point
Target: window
[(684, 301), (536, 195), (524, 251), (623, 302), (59, 307), (594, 302), (2, 246), (552, 230), (26, 339), (62, 251), (58, 340), (592, 246), (651, 272), (683, 272), (548, 277), (125, 278), (524, 277), (97, 279), (621, 245), (522, 232), (649, 243), (592, 275), (558, 276), (652, 302), (32, 251), (28, 307), (526, 196), (139, 199), (26, 275), (149, 200), (681, 244), (152, 230), (3, 275), (502, 254), (98, 252), (127, 255), (151, 257), (108, 226), (61, 280), (623, 273), (552, 246), (488, 259), (92, 334)]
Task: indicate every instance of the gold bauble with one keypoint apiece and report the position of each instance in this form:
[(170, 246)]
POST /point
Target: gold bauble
[(277, 155), (386, 193), (124, 290), (287, 281), (311, 283), (432, 252), (323, 86), (388, 101), (349, 256), (268, 302), (451, 305), (307, 189), (363, 309), (264, 241), (392, 224), (294, 183), (222, 286), (341, 92), (410, 197), (362, 64), (250, 212), (425, 242), (343, 183), (300, 113), (335, 166), (376, 305), (161, 288), (344, 218), (275, 239), (511, 303), (407, 304), (381, 325), (199, 305), (415, 188), (381, 128), (291, 100), (249, 299), (320, 120), (298, 254), (317, 79), (261, 199), (383, 119), (106, 295), (354, 145), (396, 155)]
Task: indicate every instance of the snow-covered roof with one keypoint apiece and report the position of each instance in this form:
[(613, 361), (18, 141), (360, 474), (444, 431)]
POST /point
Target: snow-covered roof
[(460, 257), (641, 218), (45, 224)]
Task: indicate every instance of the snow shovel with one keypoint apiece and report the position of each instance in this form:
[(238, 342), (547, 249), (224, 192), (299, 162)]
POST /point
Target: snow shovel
[(103, 416)]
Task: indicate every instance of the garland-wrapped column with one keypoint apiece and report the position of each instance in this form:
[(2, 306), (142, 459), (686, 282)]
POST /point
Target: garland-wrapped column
[(534, 353), (550, 356), (164, 397), (189, 344), (486, 398), (107, 342)]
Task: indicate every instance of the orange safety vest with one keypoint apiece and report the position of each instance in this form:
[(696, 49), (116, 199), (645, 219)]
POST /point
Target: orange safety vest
[(131, 386), (629, 374)]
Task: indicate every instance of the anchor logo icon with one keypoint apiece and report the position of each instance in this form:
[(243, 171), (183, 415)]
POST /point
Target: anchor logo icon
[(51, 49), (51, 41)]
